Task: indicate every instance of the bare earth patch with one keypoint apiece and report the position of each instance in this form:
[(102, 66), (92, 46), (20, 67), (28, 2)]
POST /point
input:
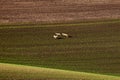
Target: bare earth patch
[(12, 11)]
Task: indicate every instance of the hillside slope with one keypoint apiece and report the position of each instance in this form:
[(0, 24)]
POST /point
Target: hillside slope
[(21, 72), (12, 11), (94, 47)]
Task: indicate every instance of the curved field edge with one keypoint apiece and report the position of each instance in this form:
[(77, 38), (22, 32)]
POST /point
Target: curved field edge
[(13, 71), (68, 24)]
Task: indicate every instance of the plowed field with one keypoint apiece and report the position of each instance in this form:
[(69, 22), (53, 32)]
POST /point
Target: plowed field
[(12, 11)]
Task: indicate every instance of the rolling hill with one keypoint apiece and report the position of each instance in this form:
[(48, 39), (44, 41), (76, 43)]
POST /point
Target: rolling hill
[(28, 50), (21, 72), (94, 47)]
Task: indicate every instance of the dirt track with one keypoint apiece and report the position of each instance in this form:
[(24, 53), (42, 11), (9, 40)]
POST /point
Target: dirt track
[(57, 10)]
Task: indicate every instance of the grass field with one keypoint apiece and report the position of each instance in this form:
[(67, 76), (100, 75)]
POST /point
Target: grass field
[(93, 48), (21, 72)]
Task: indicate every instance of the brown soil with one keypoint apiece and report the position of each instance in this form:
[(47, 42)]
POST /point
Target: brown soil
[(12, 11)]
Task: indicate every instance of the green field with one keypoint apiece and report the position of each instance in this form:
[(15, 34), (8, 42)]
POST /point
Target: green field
[(93, 48), (21, 72)]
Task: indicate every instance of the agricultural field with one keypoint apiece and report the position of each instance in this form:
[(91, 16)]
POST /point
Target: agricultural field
[(39, 11), (31, 52), (20, 72)]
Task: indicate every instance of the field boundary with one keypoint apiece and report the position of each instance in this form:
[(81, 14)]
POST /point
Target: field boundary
[(58, 24)]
